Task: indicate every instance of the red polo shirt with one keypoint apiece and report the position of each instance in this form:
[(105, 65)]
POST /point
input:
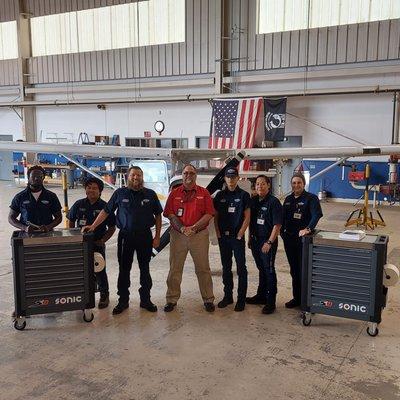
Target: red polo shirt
[(189, 205)]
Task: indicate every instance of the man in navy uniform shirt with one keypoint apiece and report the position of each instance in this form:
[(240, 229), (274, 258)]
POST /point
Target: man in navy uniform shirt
[(265, 224), (38, 209), (84, 212), (232, 206), (301, 213), (138, 210)]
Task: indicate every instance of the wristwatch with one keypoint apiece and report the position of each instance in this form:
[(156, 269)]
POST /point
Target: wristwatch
[(269, 242)]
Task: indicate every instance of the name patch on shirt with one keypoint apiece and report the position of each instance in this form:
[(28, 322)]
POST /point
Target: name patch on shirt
[(237, 200), (82, 209), (145, 201), (125, 200), (26, 202), (45, 201)]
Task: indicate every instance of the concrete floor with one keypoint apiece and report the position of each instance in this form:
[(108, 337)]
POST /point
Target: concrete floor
[(191, 354)]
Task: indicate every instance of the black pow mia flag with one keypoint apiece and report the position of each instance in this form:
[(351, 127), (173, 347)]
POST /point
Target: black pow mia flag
[(274, 119)]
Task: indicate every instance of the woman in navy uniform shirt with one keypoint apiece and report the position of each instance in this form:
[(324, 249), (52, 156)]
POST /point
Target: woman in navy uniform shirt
[(301, 213), (265, 224), (84, 212)]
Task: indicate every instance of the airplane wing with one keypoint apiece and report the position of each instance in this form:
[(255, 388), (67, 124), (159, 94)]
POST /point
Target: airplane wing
[(187, 155)]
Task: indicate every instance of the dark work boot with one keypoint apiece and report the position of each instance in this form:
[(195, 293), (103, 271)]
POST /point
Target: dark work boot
[(104, 301), (225, 302), (256, 300)]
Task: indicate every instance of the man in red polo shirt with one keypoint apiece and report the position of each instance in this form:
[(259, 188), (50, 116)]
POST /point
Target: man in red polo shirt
[(189, 208)]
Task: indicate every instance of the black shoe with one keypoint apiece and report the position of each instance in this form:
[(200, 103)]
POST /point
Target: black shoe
[(256, 300), (119, 308), (292, 304), (149, 306), (225, 302), (240, 305), (104, 301), (209, 307), (169, 307), (268, 309)]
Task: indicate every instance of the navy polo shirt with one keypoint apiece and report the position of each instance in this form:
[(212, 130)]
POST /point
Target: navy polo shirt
[(85, 213), (230, 206), (40, 212), (265, 213), (300, 213), (136, 209)]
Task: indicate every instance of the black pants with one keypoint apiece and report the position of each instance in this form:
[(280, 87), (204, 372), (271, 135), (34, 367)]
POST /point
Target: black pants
[(265, 262), (227, 246), (294, 253), (101, 277), (128, 243)]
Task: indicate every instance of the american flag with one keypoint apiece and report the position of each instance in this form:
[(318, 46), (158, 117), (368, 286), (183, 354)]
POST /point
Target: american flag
[(234, 123)]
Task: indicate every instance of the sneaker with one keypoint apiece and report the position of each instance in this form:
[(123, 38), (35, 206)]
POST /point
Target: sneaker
[(104, 301), (225, 302), (149, 306), (209, 307), (119, 308), (268, 309), (256, 300), (292, 304), (169, 307), (240, 305)]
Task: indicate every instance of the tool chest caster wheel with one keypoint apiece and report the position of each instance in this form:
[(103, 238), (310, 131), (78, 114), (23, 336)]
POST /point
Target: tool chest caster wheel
[(87, 316), (372, 331), (306, 320), (19, 325)]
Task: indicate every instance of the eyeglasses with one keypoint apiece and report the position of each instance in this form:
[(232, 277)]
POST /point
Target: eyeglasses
[(189, 173)]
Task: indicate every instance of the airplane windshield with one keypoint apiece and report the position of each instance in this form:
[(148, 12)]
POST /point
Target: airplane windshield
[(154, 172)]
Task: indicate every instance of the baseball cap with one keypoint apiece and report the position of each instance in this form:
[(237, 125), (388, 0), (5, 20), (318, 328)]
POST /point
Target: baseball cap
[(231, 172)]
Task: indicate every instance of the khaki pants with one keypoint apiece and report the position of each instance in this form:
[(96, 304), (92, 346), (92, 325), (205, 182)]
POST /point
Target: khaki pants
[(197, 245)]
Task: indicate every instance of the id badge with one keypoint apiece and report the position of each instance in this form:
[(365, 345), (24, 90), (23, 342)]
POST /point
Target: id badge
[(260, 221), (82, 222), (231, 209), (297, 215), (179, 213)]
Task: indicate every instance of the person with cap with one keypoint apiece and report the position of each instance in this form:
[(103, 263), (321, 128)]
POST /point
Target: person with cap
[(232, 218), (84, 212), (189, 208), (38, 208), (301, 213), (265, 224), (138, 210)]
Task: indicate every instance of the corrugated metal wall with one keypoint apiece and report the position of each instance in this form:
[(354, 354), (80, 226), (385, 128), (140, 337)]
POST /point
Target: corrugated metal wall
[(324, 46), (374, 41), (46, 7), (8, 10), (195, 56), (9, 72)]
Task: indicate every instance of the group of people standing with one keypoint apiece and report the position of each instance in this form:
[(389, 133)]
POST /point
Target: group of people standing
[(135, 210)]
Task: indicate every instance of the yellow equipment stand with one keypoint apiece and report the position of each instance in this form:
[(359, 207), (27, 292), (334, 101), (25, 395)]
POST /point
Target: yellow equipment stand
[(365, 217)]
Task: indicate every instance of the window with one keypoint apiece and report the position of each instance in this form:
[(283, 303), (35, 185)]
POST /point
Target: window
[(202, 142), (8, 40), (141, 23), (289, 15)]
